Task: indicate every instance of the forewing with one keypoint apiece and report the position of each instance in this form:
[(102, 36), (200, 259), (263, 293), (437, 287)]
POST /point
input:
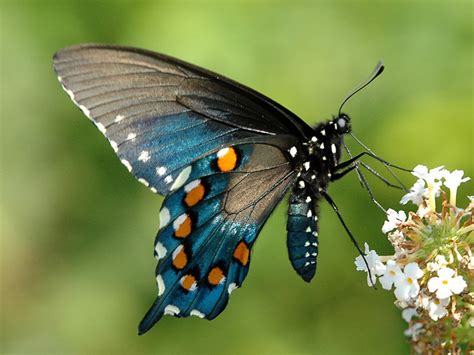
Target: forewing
[(209, 225), (161, 114)]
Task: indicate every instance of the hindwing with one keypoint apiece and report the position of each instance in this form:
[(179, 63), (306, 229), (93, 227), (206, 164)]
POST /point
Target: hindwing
[(209, 225)]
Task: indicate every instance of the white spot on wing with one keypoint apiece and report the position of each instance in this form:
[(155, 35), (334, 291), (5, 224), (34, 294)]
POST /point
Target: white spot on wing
[(179, 221), (321, 146), (169, 179), (306, 165), (164, 217), (160, 250), (161, 285), (86, 112), (70, 93), (153, 190), (301, 184), (144, 182), (161, 170), (314, 139), (323, 132), (308, 230), (177, 251), (232, 287), (333, 148), (100, 126), (222, 152), (144, 156), (114, 146), (119, 118), (182, 178), (192, 185), (127, 164), (307, 244), (196, 313), (131, 136), (308, 199), (171, 310), (309, 214), (293, 151)]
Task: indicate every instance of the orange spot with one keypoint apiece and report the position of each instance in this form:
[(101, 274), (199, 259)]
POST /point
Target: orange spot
[(194, 196), (184, 229), (241, 253), (227, 159), (215, 276), (180, 259), (188, 282)]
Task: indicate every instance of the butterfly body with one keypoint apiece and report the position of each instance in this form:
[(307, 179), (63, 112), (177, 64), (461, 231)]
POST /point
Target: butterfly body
[(222, 154)]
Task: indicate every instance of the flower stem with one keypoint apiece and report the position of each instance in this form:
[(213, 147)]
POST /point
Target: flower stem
[(432, 198), (452, 196)]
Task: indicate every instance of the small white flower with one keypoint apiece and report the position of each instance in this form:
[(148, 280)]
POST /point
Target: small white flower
[(417, 192), (437, 308), (470, 265), (454, 179), (445, 285), (406, 285), (394, 218), (423, 209), (375, 264), (408, 314), (414, 330), (391, 273), (430, 176), (440, 261), (423, 301)]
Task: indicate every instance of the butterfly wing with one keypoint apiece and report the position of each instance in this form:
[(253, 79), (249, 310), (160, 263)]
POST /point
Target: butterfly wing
[(161, 114), (218, 150), (209, 225)]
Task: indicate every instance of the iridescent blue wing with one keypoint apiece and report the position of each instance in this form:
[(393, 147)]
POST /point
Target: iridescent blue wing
[(302, 227), (161, 114), (173, 125), (208, 226)]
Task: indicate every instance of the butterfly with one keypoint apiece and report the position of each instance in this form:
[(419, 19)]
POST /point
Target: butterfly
[(222, 154)]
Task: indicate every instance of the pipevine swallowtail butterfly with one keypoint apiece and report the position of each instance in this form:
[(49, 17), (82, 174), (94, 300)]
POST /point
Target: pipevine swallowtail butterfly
[(223, 156)]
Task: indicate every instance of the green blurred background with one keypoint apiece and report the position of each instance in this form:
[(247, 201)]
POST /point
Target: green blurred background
[(77, 269)]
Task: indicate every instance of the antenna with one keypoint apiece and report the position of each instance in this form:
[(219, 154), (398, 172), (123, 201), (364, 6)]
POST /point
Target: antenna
[(376, 72)]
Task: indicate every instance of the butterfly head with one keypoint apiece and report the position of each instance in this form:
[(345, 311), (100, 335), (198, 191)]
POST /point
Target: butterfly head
[(342, 124)]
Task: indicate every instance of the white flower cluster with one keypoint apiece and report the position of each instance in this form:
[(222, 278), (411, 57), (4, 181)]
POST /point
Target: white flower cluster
[(428, 186), (424, 282), (442, 283)]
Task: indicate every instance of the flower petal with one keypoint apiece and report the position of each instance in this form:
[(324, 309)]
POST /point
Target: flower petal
[(446, 273), (434, 283), (458, 285), (443, 292), (413, 270)]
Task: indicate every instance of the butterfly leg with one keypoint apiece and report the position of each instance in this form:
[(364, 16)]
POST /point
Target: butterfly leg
[(354, 241), (380, 177), (347, 163)]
